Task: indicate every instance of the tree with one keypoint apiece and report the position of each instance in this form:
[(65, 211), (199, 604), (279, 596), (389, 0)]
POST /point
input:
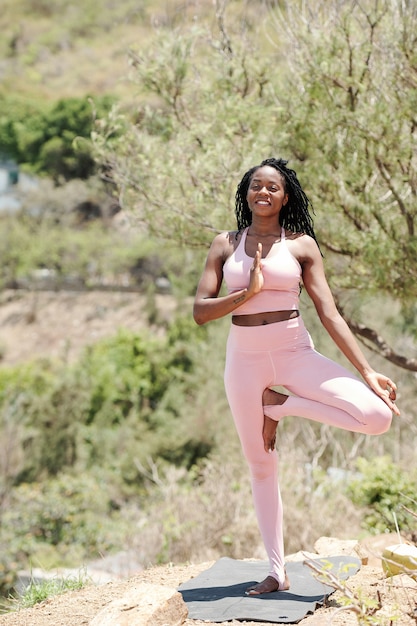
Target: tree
[(202, 116), (350, 110), (337, 94), (355, 89)]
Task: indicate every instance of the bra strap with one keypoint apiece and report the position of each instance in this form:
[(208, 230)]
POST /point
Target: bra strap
[(282, 233)]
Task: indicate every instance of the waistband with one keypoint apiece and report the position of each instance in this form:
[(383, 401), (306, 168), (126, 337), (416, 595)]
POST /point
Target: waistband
[(261, 319)]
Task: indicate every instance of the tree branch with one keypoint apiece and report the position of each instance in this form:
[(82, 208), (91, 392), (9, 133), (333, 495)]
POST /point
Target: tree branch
[(388, 179), (375, 342)]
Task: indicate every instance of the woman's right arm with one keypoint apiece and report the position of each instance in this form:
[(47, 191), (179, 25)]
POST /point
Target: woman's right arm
[(207, 305)]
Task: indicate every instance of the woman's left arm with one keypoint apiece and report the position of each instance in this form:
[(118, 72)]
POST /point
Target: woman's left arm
[(317, 287)]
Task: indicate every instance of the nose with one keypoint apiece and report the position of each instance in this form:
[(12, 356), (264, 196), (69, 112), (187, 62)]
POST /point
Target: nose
[(263, 191)]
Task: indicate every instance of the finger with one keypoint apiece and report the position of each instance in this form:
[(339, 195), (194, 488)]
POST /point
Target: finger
[(391, 405), (392, 385), (395, 409), (391, 390), (258, 257)]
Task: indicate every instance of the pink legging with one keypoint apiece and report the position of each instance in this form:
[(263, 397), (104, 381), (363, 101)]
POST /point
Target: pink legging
[(283, 354)]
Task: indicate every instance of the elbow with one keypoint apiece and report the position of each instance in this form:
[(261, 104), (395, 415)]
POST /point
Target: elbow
[(198, 316), (199, 320)]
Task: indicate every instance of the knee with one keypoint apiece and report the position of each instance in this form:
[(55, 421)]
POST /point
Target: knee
[(262, 470), (380, 421)]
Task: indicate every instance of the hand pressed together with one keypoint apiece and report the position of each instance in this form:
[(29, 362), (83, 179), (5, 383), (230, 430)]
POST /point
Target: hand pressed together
[(256, 281)]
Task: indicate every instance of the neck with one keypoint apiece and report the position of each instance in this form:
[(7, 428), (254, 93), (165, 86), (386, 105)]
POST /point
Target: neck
[(264, 231), (265, 225)]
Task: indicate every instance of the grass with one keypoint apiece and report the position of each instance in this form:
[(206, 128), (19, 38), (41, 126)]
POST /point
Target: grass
[(38, 591)]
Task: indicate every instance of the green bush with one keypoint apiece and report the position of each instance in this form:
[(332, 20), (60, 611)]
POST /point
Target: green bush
[(139, 395), (92, 254), (42, 137), (58, 522), (384, 488), (65, 511), (77, 438), (123, 401)]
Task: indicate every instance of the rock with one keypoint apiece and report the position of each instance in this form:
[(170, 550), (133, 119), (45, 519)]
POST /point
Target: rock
[(302, 555), (329, 546), (123, 564), (144, 605)]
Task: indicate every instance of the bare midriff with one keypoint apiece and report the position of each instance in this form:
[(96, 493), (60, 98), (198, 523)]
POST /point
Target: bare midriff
[(268, 317)]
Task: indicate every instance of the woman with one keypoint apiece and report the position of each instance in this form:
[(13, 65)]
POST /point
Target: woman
[(263, 264)]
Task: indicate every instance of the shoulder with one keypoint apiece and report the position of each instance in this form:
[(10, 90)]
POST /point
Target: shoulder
[(225, 243), (227, 235), (303, 247)]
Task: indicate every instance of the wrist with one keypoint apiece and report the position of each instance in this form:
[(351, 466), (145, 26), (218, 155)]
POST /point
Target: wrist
[(365, 371), (240, 297)]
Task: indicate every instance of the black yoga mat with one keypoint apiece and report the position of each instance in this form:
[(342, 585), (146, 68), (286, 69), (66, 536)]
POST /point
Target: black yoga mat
[(218, 594)]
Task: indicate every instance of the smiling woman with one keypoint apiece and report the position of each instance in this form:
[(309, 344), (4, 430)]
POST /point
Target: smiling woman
[(263, 263), (266, 193)]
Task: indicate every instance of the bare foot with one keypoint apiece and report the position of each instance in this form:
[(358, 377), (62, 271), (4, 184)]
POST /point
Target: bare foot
[(269, 433), (269, 585), (271, 397)]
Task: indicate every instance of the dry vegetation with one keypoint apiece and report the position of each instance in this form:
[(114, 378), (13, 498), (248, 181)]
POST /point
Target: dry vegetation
[(58, 325), (82, 48)]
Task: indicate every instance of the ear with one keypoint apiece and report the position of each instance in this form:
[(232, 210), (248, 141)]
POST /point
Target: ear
[(284, 202)]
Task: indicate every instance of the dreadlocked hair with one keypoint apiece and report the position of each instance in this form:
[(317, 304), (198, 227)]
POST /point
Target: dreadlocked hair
[(294, 216)]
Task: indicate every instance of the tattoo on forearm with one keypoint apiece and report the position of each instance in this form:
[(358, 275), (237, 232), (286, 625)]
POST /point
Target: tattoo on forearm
[(239, 299)]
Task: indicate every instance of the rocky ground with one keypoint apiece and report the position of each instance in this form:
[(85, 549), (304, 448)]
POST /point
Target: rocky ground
[(396, 597)]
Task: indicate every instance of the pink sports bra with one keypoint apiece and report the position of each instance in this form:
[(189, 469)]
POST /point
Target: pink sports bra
[(282, 278)]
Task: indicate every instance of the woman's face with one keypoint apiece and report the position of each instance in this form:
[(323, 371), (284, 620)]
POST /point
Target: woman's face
[(266, 193)]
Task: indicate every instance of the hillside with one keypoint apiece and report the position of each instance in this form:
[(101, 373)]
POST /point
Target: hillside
[(54, 50), (60, 324)]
